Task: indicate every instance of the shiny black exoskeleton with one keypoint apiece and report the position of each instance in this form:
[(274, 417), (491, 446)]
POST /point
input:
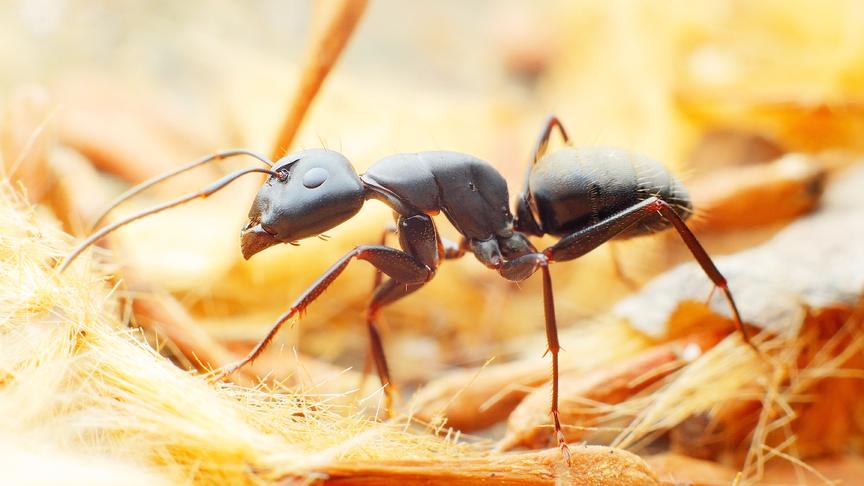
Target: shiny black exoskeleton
[(583, 196)]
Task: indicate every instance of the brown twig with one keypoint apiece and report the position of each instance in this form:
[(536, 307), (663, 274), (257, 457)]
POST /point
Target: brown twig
[(329, 36)]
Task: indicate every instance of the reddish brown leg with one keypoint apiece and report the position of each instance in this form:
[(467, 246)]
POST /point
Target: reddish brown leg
[(553, 349), (519, 269), (395, 263), (543, 140), (388, 230), (389, 292), (706, 263), (380, 359), (376, 282), (581, 242)]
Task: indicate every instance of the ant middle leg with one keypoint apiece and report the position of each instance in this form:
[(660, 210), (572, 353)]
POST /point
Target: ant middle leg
[(521, 268), (385, 294), (419, 238)]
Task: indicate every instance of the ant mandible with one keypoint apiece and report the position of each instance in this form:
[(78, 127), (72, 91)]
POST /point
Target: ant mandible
[(584, 196)]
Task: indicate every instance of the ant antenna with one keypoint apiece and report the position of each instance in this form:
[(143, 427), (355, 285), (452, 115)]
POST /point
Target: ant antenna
[(132, 191), (207, 191)]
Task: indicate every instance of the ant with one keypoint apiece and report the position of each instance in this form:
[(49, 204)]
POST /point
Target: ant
[(584, 196)]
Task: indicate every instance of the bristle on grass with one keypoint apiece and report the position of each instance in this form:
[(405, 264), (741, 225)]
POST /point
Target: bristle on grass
[(796, 405)]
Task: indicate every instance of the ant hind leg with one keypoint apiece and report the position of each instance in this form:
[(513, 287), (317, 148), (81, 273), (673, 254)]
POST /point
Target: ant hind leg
[(586, 239)]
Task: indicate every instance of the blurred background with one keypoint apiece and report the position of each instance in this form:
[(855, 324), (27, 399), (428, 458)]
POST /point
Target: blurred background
[(96, 96)]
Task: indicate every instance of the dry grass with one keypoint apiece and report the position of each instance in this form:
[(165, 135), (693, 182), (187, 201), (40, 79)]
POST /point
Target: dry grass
[(75, 379), (91, 397), (79, 388)]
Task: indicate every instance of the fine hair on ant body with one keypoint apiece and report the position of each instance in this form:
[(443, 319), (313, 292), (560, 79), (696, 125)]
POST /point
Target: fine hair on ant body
[(583, 196)]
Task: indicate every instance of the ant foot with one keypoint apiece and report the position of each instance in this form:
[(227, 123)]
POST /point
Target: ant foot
[(775, 365), (565, 449), (224, 372)]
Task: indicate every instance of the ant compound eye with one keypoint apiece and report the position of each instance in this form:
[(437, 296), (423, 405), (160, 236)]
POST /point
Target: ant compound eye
[(315, 177)]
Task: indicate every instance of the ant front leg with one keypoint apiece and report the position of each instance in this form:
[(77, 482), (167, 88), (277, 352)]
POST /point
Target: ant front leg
[(397, 264), (584, 240), (385, 294), (390, 229)]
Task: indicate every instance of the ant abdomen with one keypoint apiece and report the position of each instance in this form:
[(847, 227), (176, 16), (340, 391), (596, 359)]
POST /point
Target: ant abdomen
[(574, 188)]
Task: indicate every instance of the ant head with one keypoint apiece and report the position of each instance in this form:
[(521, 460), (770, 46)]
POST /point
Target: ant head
[(312, 192)]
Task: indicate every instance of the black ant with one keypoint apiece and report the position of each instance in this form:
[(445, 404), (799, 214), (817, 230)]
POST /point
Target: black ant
[(585, 196)]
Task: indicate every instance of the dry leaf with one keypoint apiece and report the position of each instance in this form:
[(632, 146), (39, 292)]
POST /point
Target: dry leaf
[(583, 397)]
